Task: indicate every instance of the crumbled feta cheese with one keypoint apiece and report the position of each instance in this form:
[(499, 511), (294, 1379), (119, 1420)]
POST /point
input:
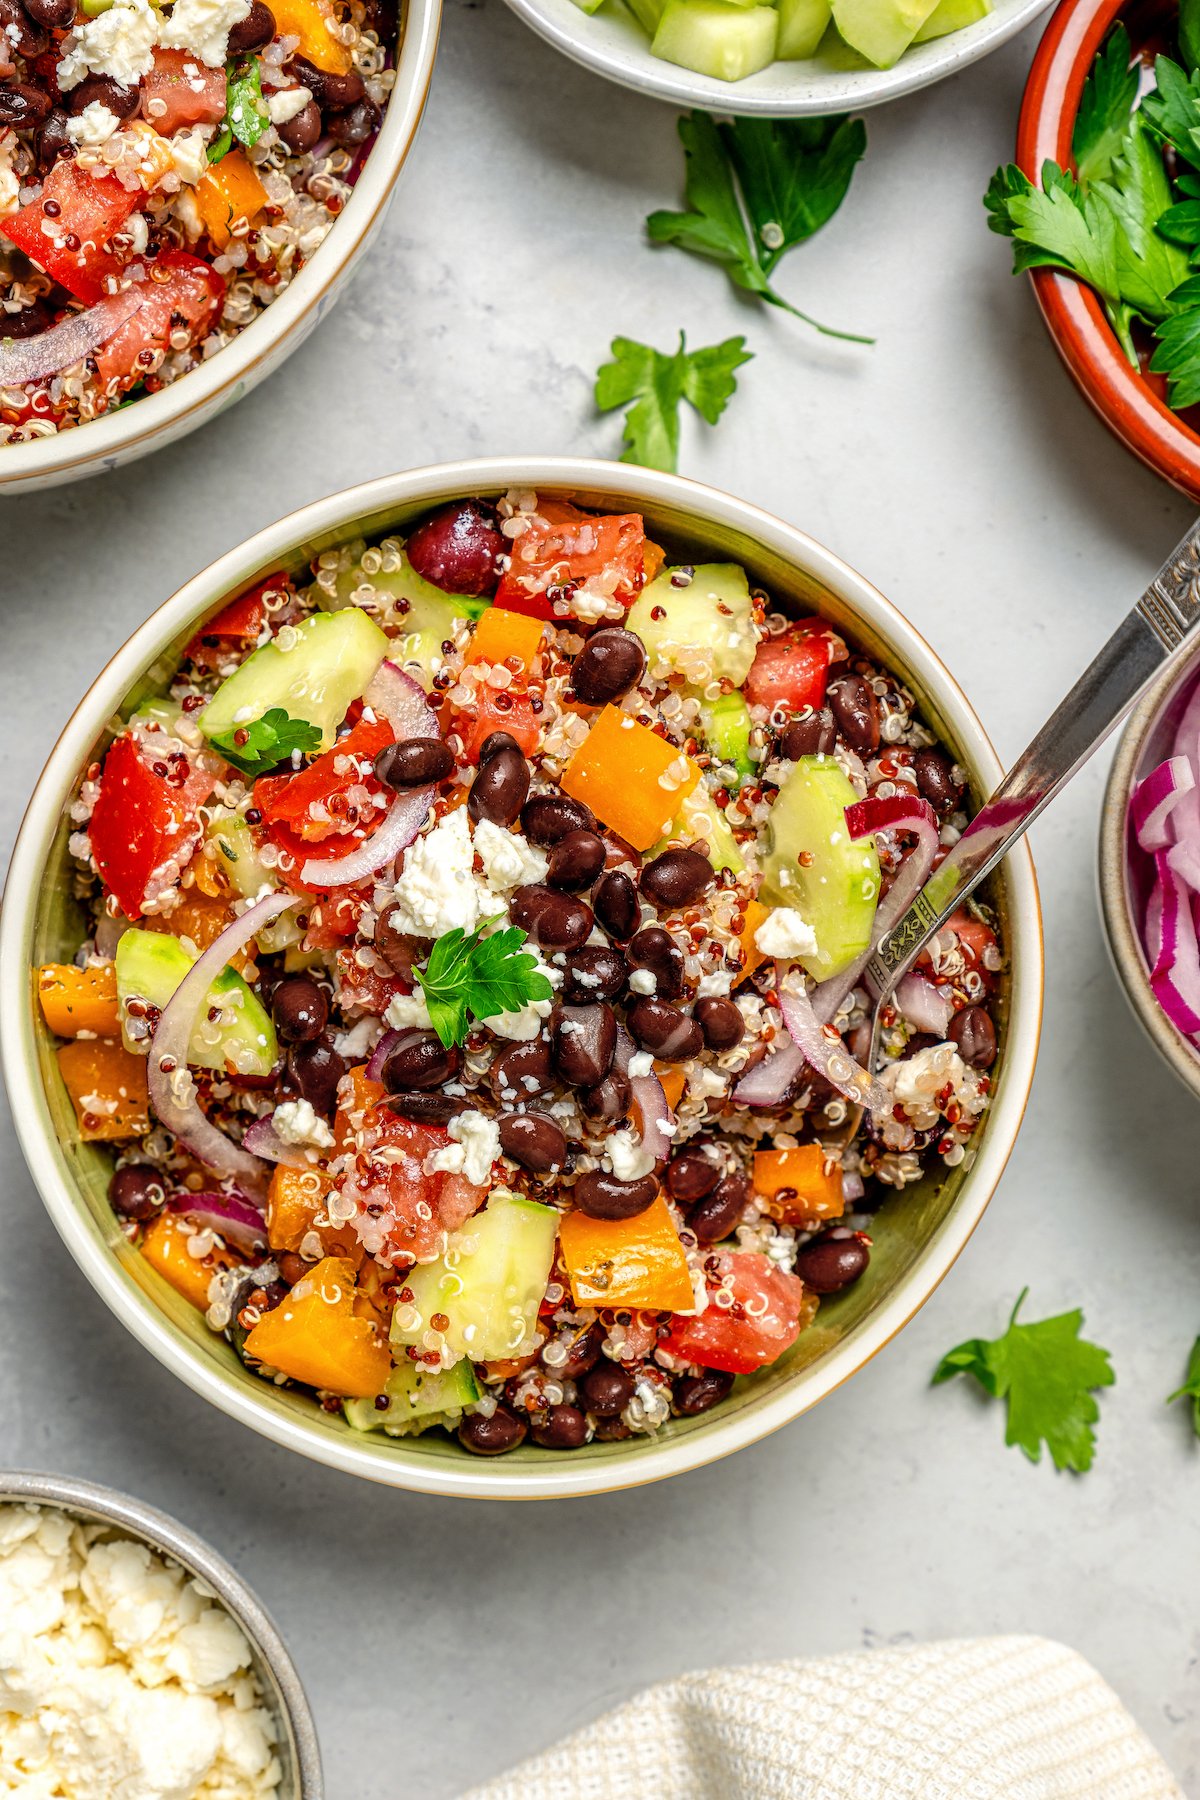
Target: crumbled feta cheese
[(784, 933), (189, 152), (285, 103), (509, 860), (404, 1010), (643, 981), (296, 1122), (918, 1080), (714, 987), (474, 1147), (93, 126), (203, 27), (438, 890), (626, 1157), (119, 43), (641, 1063)]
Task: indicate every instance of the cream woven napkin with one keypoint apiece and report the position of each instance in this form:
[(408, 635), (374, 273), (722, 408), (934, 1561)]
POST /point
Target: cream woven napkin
[(1012, 1718)]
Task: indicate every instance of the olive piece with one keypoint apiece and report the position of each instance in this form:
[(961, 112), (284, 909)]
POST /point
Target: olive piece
[(491, 1435), (812, 734), (355, 125), (414, 762), (500, 787), (545, 818), (300, 1009), (603, 1196), (596, 972), (677, 878), (690, 1176), (584, 1040), (721, 1022), (562, 1428), (418, 1059), (533, 1140), (974, 1036), (120, 100), (610, 663), (252, 32), (303, 129), (665, 1031), (856, 709), (521, 1071), (398, 949), (607, 1390), (424, 1109), (576, 860), (26, 323), (495, 742), (720, 1213), (694, 1394), (616, 903), (457, 547), (829, 1263), (137, 1191), (655, 950), (54, 15), (610, 1099), (334, 93), (54, 140), (554, 921), (316, 1068), (19, 31), (22, 105)]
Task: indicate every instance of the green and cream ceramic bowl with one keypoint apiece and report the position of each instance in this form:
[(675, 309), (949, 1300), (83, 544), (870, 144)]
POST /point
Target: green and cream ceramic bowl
[(917, 1234)]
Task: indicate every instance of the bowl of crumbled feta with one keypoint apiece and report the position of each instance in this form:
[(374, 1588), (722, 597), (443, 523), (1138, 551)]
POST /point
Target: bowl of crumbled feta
[(458, 1074), (184, 189), (134, 1661)]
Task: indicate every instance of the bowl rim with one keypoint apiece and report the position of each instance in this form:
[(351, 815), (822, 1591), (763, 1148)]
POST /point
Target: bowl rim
[(1072, 313), (852, 89), (476, 1477), (156, 418), (91, 1499)]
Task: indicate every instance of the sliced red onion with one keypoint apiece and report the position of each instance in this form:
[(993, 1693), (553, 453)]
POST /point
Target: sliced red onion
[(380, 1054), (658, 1122), (820, 1044), (770, 1081), (400, 700), (1173, 950), (263, 1140), (1155, 799), (900, 812), (924, 1005), (853, 1186), (1184, 859), (231, 1216), (172, 1088), (31, 359)]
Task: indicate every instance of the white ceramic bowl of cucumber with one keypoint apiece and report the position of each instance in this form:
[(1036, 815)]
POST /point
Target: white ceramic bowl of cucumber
[(916, 1235), (779, 60)]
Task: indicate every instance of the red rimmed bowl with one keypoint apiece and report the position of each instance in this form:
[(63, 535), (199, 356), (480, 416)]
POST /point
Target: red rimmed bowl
[(1129, 402)]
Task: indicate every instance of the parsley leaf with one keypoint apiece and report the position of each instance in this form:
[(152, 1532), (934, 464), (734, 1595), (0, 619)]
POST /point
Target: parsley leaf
[(478, 976), (1104, 108), (1046, 1372), (1191, 1387), (655, 384), (791, 177), (262, 744), (1172, 109), (245, 109)]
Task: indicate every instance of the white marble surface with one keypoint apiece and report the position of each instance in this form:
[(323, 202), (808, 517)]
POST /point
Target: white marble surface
[(955, 465)]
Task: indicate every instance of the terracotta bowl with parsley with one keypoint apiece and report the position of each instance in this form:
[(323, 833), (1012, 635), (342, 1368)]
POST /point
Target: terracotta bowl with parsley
[(433, 950), (1101, 206)]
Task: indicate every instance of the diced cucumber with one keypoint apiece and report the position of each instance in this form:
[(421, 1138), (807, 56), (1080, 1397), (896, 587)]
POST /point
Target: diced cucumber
[(427, 615), (647, 13), (151, 965), (802, 25), (881, 30), (714, 38), (418, 1397), (157, 709), (488, 1286), (836, 885), (952, 15), (707, 625), (727, 725), (327, 662), (700, 818), (237, 856)]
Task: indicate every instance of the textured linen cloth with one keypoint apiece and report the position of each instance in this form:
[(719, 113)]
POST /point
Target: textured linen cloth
[(1010, 1718)]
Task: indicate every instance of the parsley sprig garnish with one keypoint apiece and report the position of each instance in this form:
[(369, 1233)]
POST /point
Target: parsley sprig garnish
[(754, 188), (262, 744), (478, 977), (246, 115), (1047, 1374), (1190, 1389), (653, 385)]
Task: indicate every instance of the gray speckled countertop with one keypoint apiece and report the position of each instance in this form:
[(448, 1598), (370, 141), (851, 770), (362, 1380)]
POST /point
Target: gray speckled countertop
[(958, 469)]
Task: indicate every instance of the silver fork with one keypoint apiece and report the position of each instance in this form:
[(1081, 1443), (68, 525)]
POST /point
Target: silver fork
[(1152, 635)]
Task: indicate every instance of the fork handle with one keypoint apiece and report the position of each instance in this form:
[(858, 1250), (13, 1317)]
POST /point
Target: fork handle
[(1152, 635)]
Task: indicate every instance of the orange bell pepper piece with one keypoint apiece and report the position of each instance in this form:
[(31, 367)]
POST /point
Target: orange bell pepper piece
[(231, 190), (75, 1000), (315, 1337), (653, 558), (801, 1187), (108, 1089), (165, 1247), (309, 20), (356, 1097), (631, 778), (674, 1080), (501, 635), (756, 913), (203, 917), (627, 1262), (295, 1202)]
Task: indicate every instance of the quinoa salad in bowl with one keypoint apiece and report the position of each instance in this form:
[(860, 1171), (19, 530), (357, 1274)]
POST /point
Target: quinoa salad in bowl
[(470, 987), (166, 171)]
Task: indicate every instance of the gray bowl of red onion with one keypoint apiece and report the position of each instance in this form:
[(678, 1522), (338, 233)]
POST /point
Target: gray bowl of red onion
[(1150, 866)]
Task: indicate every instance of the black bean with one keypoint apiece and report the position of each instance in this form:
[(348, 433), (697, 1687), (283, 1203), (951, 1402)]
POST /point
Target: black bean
[(553, 920), (303, 129), (315, 1069), (596, 972), (612, 1431), (610, 1099), (495, 742), (583, 1353), (974, 1036), (120, 100), (533, 1140), (690, 1176), (935, 781), (677, 878), (27, 323), (418, 1059), (414, 762), (300, 1009), (252, 32), (398, 949), (19, 31), (655, 949), (355, 125), (576, 860), (521, 1071), (54, 140), (136, 1191), (616, 902), (693, 1394), (721, 1022), (562, 1428), (610, 663), (458, 546), (547, 817), (828, 1263), (55, 15), (607, 1390), (665, 1031), (720, 1213), (584, 1040), (23, 106), (491, 1436), (813, 734), (856, 709), (500, 788), (334, 93), (603, 1196), (424, 1109)]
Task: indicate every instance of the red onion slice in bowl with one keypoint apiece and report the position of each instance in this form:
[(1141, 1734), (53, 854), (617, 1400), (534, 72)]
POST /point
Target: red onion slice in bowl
[(924, 1005), (1154, 801), (230, 1215), (658, 1121), (1172, 949), (264, 1141), (820, 1044), (900, 812), (402, 701), (31, 359), (172, 1087), (769, 1081)]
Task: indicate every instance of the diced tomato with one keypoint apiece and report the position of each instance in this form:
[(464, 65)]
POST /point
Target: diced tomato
[(238, 625), (180, 293), (415, 1210), (364, 990), (145, 817), (761, 1323), (69, 244), (789, 671), (975, 940), (567, 549), (315, 803), (334, 918), (194, 97), (509, 711)]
